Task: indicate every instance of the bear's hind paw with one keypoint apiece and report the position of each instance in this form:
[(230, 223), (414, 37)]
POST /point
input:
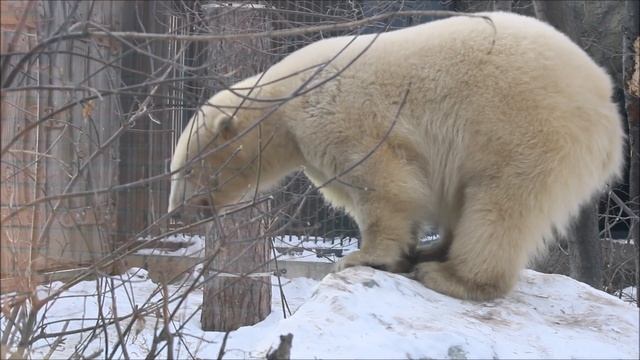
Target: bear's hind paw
[(394, 265)]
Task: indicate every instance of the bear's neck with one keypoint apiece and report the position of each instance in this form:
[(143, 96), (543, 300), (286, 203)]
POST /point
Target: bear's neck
[(275, 151)]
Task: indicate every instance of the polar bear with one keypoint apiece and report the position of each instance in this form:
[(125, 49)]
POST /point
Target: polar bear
[(494, 128)]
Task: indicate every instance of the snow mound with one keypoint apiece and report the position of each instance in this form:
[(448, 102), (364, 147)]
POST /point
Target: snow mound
[(356, 313), (365, 313)]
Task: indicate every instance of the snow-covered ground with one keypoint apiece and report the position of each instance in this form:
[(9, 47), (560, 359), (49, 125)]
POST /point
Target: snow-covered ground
[(362, 312), (192, 245), (365, 313)]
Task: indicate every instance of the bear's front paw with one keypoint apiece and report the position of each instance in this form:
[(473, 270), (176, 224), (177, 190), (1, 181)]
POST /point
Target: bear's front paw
[(388, 263)]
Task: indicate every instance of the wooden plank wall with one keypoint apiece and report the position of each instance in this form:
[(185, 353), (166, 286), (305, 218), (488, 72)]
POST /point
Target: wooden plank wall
[(69, 152), (18, 173)]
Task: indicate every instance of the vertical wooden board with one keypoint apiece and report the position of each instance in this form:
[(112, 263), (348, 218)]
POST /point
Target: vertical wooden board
[(145, 149), (135, 150), (61, 163), (18, 178), (158, 140)]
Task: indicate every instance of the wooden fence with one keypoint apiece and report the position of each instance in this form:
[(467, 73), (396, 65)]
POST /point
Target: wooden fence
[(54, 145)]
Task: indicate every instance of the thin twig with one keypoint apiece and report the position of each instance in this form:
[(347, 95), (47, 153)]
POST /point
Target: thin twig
[(223, 346)]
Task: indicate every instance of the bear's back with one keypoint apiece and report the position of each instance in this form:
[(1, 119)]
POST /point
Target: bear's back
[(511, 49)]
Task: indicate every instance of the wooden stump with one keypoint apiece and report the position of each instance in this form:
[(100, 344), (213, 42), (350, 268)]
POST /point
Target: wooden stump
[(230, 301)]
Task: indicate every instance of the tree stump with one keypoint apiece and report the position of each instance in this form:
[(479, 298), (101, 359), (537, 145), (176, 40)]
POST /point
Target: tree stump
[(231, 300)]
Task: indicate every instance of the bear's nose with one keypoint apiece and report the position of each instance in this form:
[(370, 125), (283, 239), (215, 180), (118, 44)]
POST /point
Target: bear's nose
[(204, 209), (176, 216)]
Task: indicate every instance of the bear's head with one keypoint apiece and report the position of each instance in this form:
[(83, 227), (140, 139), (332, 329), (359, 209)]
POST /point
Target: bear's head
[(211, 166), (232, 147)]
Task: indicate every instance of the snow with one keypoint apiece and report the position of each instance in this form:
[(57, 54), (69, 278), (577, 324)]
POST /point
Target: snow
[(192, 245), (362, 312), (365, 313)]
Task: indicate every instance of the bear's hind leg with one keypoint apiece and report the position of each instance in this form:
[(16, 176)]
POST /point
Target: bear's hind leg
[(490, 245)]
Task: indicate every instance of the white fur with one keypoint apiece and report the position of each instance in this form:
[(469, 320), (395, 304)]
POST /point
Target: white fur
[(507, 128)]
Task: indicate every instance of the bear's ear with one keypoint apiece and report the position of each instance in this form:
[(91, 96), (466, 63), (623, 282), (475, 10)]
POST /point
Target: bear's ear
[(226, 127)]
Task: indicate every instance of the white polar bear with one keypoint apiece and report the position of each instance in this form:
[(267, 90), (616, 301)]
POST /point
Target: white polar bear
[(495, 132)]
